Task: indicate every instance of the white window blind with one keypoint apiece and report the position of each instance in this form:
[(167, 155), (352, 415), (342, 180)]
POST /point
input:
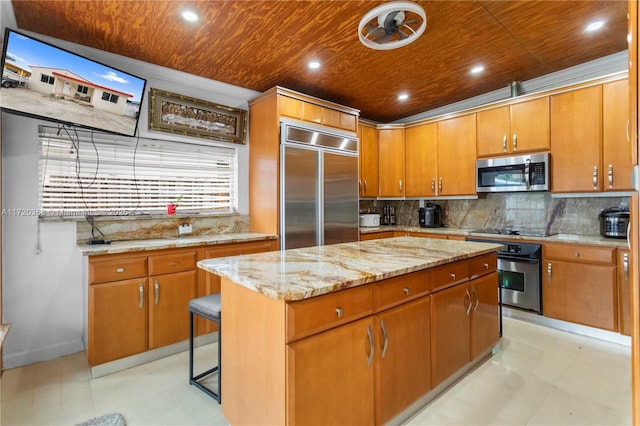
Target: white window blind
[(89, 173)]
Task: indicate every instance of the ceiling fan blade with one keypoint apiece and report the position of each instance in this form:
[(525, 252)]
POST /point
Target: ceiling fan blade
[(402, 34), (374, 31)]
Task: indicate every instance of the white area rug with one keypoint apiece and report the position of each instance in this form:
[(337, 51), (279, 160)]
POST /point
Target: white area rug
[(111, 419)]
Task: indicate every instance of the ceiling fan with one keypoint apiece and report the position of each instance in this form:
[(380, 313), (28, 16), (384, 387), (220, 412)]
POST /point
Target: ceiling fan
[(392, 25)]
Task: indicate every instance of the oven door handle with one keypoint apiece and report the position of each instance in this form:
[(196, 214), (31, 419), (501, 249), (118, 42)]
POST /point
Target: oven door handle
[(518, 259)]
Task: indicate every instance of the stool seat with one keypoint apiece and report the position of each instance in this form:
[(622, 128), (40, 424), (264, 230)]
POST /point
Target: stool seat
[(207, 306)]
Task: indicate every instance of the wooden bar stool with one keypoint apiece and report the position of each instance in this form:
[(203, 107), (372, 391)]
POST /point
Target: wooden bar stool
[(208, 307)]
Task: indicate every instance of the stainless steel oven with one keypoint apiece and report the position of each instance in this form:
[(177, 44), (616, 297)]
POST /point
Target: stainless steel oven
[(519, 272)]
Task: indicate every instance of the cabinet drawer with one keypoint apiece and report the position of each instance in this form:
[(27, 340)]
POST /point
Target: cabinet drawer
[(450, 274), (320, 313), (104, 271), (396, 290), (224, 250), (579, 253), (173, 262), (482, 265)]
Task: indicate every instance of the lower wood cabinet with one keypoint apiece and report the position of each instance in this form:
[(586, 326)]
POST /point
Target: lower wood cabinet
[(139, 302), (624, 291), (579, 285), (375, 235)]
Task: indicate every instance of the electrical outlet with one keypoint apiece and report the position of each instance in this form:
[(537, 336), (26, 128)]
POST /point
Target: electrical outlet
[(184, 229)]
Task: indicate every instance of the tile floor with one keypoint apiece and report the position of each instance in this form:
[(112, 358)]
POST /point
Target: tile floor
[(540, 376)]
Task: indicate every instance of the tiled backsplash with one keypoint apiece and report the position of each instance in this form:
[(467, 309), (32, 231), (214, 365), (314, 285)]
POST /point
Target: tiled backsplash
[(520, 210), (140, 228)]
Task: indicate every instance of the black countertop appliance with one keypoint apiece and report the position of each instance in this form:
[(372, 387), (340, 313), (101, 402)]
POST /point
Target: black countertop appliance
[(614, 222), (430, 216)]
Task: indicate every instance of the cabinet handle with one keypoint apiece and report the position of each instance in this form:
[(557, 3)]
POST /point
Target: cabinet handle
[(625, 266), (156, 288), (595, 177), (406, 291), (120, 270), (365, 186), (467, 295), (576, 254), (371, 347), (453, 276), (433, 185), (339, 312), (400, 181), (627, 131), (486, 265), (549, 271), (174, 263), (386, 338), (440, 184), (475, 293), (610, 173), (504, 143), (515, 142), (141, 293), (360, 186)]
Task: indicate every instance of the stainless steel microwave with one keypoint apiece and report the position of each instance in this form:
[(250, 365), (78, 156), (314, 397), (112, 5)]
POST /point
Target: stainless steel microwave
[(519, 173)]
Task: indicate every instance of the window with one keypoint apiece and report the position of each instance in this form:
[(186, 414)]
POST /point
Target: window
[(88, 173), (110, 97), (47, 78), (82, 89)]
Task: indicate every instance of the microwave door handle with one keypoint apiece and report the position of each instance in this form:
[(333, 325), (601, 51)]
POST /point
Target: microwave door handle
[(527, 163)]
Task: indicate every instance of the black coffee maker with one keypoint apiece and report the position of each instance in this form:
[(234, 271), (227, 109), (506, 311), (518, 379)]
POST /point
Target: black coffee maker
[(430, 216)]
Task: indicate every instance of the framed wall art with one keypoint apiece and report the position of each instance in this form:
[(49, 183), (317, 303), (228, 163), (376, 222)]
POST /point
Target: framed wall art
[(184, 115)]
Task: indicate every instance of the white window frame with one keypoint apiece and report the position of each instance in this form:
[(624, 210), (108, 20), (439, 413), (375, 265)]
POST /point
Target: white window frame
[(85, 173)]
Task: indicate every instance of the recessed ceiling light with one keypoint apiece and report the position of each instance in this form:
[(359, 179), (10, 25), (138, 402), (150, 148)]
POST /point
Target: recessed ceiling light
[(477, 69), (403, 97), (314, 65), (594, 26), (189, 16)]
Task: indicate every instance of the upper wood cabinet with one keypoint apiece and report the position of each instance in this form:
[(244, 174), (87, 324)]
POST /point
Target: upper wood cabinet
[(368, 136), (457, 156), (314, 113), (391, 168), (520, 127), (616, 143), (421, 157), (576, 134)]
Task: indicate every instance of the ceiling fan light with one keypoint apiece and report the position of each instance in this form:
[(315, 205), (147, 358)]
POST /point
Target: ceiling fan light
[(389, 22), (189, 16), (314, 65)]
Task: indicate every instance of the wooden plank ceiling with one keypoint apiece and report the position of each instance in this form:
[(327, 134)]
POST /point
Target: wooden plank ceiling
[(260, 44)]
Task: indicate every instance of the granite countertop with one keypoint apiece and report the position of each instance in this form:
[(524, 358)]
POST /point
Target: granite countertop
[(302, 273), (561, 238), (168, 243)]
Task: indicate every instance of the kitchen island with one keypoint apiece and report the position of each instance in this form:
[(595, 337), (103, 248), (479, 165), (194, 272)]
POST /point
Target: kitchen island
[(353, 333)]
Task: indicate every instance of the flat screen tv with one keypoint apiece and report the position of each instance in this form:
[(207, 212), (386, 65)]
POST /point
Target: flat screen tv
[(44, 81)]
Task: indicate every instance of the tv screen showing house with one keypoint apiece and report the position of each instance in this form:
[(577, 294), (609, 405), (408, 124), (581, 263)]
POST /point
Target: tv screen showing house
[(45, 81)]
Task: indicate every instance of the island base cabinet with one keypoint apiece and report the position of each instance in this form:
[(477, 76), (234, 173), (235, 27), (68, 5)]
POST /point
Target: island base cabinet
[(485, 315), (580, 293), (450, 332), (402, 358), (128, 328), (328, 372)]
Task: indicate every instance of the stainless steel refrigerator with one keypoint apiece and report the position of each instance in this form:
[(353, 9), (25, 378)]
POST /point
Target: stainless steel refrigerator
[(318, 186)]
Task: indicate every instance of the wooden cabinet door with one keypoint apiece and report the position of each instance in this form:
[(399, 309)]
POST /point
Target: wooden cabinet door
[(290, 107), (576, 140), (616, 143), (580, 293), (169, 297), (450, 332), (391, 162), (624, 292), (421, 149), (402, 373), (493, 132), (327, 372), (457, 156), (118, 313), (530, 126), (485, 321), (368, 161)]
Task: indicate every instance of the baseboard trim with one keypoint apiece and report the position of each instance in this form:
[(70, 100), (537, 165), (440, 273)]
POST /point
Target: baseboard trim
[(47, 353)]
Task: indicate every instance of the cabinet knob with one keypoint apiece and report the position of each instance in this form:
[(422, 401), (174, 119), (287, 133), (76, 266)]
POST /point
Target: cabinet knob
[(515, 142), (453, 276), (595, 177), (576, 254), (120, 270), (610, 176), (406, 291), (339, 312), (485, 265), (504, 143)]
